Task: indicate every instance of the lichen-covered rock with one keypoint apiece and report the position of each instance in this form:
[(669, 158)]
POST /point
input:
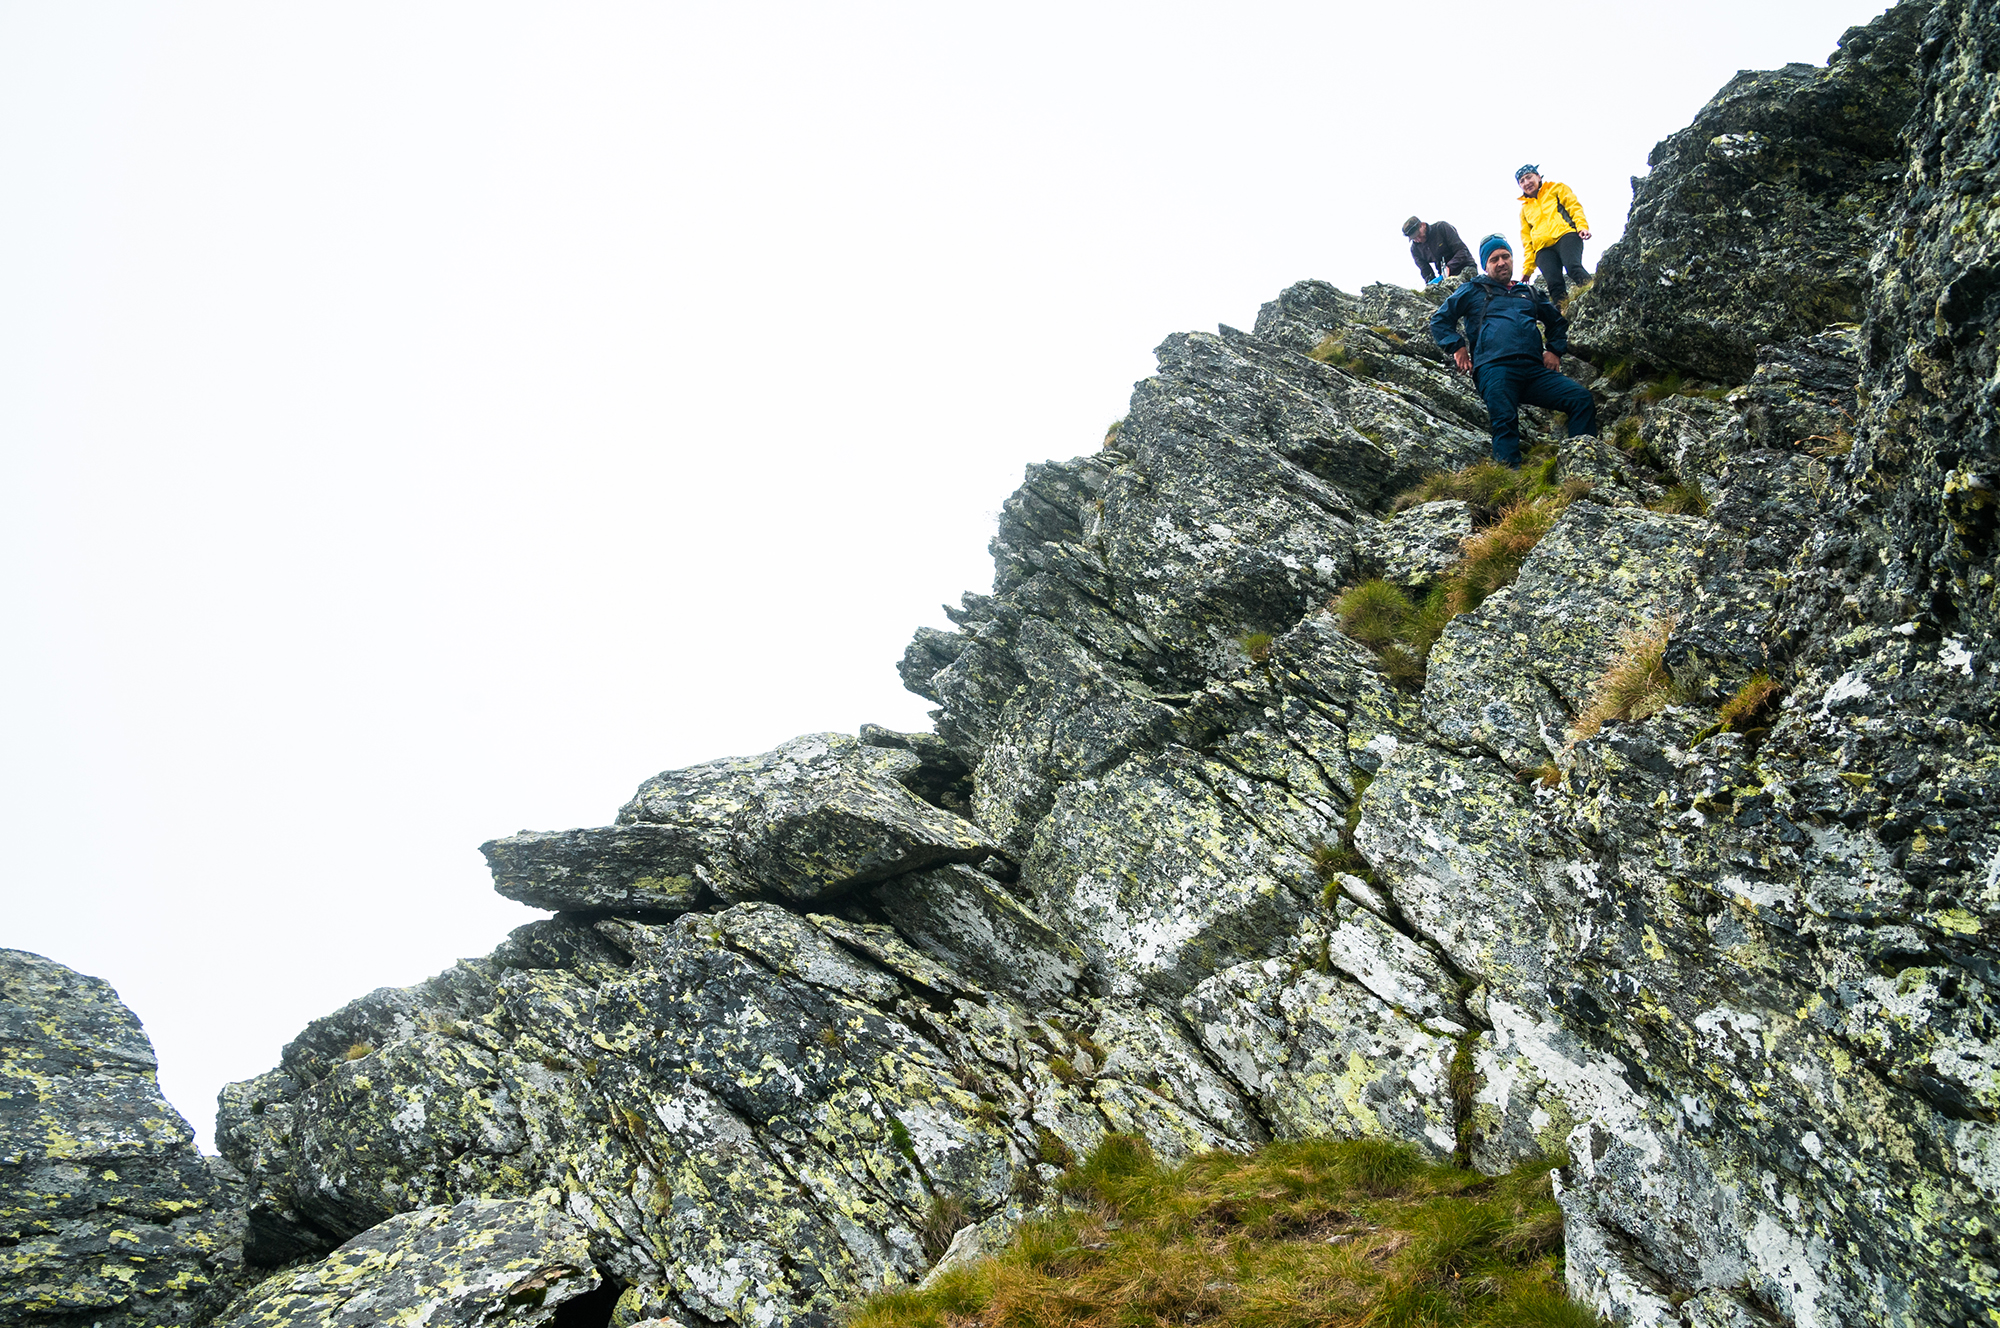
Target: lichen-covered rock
[(965, 920), (1160, 874), (1413, 547), (1757, 222), (817, 817), (1325, 1057), (1512, 675), (1931, 429), (1737, 963), (618, 868), (108, 1215), (750, 1114), (479, 1262)]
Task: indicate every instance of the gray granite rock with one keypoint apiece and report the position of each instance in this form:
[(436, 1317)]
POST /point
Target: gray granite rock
[(1757, 222), (1415, 546), (475, 1263), (108, 1215), (819, 816)]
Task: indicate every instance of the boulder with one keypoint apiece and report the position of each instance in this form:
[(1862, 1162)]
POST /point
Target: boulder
[(108, 1214), (1414, 547), (477, 1263), (818, 817)]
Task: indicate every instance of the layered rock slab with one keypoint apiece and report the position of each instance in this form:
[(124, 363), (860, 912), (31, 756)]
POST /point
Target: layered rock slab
[(749, 1116), (108, 1215), (515, 1262), (817, 817)]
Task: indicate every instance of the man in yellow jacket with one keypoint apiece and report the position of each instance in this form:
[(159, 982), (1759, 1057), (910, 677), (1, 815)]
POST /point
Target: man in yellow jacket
[(1553, 229)]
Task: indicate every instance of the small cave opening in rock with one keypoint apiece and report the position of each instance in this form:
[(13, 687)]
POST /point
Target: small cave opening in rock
[(593, 1308)]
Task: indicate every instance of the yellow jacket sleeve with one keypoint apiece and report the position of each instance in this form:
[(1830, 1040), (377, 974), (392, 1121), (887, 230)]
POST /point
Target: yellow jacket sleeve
[(1567, 196), (1527, 255)]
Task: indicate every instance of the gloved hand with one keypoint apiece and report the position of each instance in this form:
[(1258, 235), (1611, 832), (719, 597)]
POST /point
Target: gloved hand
[(1435, 280)]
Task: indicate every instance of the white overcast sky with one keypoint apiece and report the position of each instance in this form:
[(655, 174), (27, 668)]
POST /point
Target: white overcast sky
[(425, 421)]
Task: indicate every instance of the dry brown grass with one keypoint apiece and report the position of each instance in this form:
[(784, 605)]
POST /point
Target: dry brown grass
[(1636, 684), (1492, 558), (1749, 700)]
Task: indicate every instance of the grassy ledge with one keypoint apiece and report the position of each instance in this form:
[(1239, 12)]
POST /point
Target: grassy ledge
[(1511, 509), (1314, 1234)]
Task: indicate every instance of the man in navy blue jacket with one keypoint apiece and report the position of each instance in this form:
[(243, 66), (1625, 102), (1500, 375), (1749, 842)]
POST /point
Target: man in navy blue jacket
[(1504, 351)]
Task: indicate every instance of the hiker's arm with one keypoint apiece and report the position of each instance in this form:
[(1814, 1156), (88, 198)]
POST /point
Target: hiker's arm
[(1444, 330), (1556, 342), (1527, 255), (1576, 211)]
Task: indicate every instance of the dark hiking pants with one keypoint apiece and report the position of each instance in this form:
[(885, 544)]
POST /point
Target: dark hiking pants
[(1509, 384), (1566, 252)]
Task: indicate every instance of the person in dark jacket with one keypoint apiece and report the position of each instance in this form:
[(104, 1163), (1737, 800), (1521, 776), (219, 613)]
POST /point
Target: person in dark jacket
[(1436, 247), (1504, 350)]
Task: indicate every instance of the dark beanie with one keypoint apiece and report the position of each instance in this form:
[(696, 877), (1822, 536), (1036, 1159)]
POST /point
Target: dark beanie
[(1489, 244), (1410, 226)]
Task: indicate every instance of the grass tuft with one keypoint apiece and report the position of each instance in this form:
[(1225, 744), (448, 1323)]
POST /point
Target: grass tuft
[(1332, 349), (1383, 617), (1111, 434), (1487, 486), (1513, 510), (1637, 683), (1309, 1234), (358, 1050), (1492, 557), (899, 1139), (1330, 860), (1375, 613), (944, 1219), (1257, 645), (1684, 499), (1662, 388), (1836, 444), (1051, 1150), (1749, 700)]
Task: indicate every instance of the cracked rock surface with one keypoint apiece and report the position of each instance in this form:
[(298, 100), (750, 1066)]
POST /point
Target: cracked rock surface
[(108, 1215)]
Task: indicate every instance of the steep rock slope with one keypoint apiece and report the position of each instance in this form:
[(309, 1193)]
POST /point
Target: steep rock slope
[(1757, 222), (1182, 859)]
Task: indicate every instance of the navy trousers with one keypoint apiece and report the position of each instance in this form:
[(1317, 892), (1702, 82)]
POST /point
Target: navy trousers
[(1507, 384)]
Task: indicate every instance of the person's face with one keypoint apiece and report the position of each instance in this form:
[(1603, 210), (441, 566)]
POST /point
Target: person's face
[(1530, 183), (1500, 265), (1423, 229)]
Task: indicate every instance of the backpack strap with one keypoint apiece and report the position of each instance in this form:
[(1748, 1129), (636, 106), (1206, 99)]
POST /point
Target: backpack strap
[(1473, 326)]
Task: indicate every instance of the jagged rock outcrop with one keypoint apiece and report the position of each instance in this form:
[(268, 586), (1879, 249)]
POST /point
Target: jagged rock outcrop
[(1185, 859), (1757, 222), (108, 1215)]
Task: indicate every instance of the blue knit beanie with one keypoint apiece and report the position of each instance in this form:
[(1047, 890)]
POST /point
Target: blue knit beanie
[(1489, 244)]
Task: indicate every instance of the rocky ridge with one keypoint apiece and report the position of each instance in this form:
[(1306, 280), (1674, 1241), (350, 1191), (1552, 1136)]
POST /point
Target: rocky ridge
[(1183, 859)]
